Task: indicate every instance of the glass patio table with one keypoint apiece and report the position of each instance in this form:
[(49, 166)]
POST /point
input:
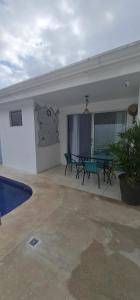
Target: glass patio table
[(104, 161)]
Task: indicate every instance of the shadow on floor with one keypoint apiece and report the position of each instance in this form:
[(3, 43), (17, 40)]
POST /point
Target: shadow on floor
[(91, 185), (104, 276)]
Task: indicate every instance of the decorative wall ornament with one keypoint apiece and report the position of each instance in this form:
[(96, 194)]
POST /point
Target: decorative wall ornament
[(48, 121), (133, 111)]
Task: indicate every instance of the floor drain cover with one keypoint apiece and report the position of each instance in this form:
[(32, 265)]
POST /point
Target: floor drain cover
[(34, 242)]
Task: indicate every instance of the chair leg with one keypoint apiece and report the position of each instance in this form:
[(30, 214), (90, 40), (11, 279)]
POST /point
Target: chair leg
[(98, 181), (112, 175), (109, 177), (104, 173), (66, 169), (83, 178), (77, 172)]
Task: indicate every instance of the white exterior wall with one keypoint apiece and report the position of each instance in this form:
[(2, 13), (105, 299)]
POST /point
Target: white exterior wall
[(139, 105), (104, 106), (18, 142), (46, 156), (0, 153)]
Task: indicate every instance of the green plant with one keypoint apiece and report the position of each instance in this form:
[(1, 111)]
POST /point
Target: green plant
[(127, 153)]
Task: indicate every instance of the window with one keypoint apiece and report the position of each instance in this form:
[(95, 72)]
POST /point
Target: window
[(15, 118), (107, 128)]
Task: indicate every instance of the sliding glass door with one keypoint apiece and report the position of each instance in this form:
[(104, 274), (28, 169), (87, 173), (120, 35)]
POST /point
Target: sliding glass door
[(107, 127), (91, 133)]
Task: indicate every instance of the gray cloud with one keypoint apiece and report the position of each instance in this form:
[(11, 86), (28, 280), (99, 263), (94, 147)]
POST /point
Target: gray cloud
[(39, 36)]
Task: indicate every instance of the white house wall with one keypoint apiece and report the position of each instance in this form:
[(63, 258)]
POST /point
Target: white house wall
[(139, 105), (18, 142), (47, 157), (0, 153), (104, 106), (20, 147)]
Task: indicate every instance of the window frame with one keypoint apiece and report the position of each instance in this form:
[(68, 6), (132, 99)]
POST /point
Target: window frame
[(15, 120)]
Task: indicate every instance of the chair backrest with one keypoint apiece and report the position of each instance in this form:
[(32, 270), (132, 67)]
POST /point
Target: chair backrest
[(67, 157), (90, 166), (102, 150), (100, 163)]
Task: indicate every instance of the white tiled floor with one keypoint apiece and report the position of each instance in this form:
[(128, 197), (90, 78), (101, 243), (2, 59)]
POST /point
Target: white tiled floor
[(91, 185)]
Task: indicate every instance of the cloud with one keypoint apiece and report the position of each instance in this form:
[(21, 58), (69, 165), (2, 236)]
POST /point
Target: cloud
[(66, 7), (109, 16), (39, 36)]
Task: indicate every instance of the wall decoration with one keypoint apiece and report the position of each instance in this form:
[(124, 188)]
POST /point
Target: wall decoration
[(47, 119), (133, 111)]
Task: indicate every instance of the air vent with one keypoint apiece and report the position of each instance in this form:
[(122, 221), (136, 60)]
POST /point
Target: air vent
[(34, 242)]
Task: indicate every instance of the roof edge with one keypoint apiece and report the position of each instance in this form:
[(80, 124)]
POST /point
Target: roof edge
[(105, 58)]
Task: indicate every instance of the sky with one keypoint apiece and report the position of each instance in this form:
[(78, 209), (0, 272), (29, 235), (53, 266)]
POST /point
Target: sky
[(38, 36)]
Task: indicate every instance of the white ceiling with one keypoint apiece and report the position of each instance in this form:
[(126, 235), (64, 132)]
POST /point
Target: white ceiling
[(99, 91)]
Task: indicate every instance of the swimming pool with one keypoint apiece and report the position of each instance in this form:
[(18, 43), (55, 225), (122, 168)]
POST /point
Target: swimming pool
[(12, 194)]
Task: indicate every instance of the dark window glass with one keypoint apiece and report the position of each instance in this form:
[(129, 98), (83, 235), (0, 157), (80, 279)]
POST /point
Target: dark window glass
[(107, 128)]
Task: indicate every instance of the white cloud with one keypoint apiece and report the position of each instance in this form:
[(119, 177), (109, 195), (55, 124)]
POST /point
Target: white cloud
[(38, 36), (4, 70), (75, 25), (62, 60), (109, 16), (47, 23), (7, 76), (81, 54), (66, 7)]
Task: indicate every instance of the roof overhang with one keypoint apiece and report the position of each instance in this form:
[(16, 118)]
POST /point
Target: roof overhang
[(123, 61)]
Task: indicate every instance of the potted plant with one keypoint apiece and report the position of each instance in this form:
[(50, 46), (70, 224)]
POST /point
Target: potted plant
[(127, 153)]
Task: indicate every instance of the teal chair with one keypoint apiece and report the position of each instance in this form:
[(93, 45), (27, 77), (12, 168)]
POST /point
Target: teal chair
[(69, 162), (91, 167)]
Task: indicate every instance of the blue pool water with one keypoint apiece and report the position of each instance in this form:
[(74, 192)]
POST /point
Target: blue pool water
[(12, 194)]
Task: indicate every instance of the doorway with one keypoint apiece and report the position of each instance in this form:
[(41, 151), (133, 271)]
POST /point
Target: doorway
[(89, 134)]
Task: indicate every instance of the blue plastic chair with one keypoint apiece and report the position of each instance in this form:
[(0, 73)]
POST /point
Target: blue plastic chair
[(91, 167)]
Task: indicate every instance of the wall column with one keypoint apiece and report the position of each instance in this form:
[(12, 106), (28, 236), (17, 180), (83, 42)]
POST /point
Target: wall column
[(139, 104)]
